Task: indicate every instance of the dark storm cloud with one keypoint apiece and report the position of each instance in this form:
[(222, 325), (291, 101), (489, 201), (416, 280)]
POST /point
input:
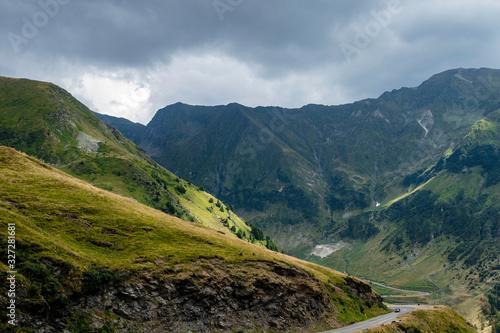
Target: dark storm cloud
[(138, 32), (120, 32), (284, 52)]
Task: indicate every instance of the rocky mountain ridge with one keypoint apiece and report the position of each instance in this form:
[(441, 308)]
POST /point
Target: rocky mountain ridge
[(308, 168)]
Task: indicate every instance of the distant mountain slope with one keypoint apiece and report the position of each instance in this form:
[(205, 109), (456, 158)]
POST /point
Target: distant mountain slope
[(131, 130), (298, 173), (45, 121), (89, 260), (444, 236), (462, 200), (463, 197)]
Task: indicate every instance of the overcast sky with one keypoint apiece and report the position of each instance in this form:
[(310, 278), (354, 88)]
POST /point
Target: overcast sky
[(129, 58)]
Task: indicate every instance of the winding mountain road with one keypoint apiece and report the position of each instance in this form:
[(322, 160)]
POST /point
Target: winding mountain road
[(385, 319), (420, 293)]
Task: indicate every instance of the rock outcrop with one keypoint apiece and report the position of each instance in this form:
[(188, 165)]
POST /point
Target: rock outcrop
[(213, 296)]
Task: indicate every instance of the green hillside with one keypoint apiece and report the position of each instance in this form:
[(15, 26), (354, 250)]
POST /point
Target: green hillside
[(45, 121), (85, 256)]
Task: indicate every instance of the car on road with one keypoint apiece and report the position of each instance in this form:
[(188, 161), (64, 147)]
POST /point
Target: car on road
[(397, 310)]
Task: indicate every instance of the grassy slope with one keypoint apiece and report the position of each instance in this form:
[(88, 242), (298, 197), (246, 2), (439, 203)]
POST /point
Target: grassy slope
[(45, 121), (68, 215), (69, 220)]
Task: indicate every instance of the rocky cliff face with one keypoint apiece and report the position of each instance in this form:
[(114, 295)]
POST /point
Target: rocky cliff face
[(214, 296)]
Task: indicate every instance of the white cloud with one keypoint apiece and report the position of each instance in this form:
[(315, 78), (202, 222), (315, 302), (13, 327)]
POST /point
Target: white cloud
[(201, 80), (117, 94), (219, 79)]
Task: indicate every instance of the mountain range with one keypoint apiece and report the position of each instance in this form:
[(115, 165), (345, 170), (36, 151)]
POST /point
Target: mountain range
[(402, 189), (107, 240), (283, 168)]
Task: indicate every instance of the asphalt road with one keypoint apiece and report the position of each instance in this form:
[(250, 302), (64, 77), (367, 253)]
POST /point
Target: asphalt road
[(385, 319)]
